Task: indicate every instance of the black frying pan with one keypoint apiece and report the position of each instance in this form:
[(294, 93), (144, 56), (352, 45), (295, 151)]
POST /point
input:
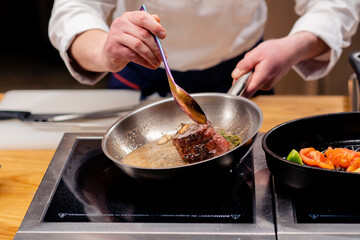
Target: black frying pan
[(320, 132)]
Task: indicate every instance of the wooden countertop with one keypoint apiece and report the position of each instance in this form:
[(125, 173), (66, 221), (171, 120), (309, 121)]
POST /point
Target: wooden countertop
[(23, 170)]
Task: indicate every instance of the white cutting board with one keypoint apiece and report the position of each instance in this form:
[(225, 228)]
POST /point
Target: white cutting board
[(15, 134)]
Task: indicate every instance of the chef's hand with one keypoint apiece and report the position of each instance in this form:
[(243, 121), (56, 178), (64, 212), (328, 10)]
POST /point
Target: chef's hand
[(129, 39), (272, 59)]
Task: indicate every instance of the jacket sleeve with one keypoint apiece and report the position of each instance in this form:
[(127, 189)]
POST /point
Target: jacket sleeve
[(71, 18), (335, 22)]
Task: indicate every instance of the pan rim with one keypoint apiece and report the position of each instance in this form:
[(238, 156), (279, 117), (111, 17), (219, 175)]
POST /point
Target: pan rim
[(171, 99)]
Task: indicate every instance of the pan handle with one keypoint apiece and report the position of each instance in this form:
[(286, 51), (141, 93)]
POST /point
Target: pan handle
[(354, 81), (5, 115), (240, 84), (354, 60)]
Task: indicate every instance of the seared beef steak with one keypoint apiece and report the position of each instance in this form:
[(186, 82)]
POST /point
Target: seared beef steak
[(196, 142)]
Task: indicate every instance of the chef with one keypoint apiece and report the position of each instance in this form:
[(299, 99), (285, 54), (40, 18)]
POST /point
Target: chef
[(209, 44)]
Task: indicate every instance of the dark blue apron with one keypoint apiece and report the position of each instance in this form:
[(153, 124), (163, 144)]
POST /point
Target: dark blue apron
[(148, 81)]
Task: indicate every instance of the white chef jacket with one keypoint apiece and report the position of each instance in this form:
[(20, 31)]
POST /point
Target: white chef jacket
[(203, 33)]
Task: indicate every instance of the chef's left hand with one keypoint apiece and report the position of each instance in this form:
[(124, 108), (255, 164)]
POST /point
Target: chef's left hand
[(272, 59)]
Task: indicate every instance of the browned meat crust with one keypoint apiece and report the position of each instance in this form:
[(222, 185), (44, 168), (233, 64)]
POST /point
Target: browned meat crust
[(197, 142)]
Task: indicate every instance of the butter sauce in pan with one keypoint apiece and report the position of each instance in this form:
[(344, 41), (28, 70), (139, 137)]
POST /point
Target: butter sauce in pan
[(191, 143)]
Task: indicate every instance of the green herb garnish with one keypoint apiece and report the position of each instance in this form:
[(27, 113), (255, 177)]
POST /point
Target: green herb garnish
[(235, 140)]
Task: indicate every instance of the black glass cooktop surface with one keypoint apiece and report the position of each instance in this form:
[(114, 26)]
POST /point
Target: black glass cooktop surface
[(93, 189), (327, 206), (331, 204)]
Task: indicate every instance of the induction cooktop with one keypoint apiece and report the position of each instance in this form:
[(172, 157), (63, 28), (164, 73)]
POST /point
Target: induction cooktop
[(83, 195)]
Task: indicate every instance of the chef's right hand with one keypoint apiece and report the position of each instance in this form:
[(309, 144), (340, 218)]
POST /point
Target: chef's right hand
[(129, 39)]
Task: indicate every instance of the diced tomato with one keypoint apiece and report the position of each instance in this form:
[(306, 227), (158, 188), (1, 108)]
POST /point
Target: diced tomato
[(341, 157), (333, 158), (312, 157), (354, 166)]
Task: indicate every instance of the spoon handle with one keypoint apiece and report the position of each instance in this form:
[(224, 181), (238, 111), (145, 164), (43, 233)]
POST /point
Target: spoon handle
[(157, 40), (186, 103)]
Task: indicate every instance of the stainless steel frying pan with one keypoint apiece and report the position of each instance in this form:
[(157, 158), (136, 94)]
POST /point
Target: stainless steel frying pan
[(229, 112)]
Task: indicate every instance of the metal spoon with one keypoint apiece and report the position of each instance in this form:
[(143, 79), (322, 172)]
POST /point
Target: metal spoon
[(186, 103)]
